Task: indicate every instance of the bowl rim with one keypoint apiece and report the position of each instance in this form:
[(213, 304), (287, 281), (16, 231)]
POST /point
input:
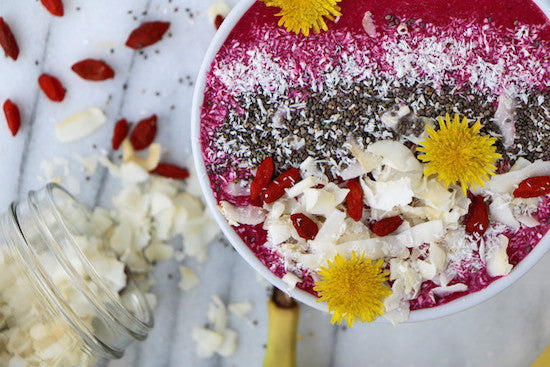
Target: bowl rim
[(454, 306)]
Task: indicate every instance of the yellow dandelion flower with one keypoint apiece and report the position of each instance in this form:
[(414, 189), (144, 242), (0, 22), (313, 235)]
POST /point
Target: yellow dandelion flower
[(353, 289), (302, 15), (457, 153)]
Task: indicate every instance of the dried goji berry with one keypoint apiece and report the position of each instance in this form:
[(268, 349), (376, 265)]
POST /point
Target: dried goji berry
[(120, 132), (263, 177), (13, 117), (354, 200), (533, 187), (91, 69), (55, 7), (52, 87), (305, 227), (7, 40), (147, 34), (478, 216), (144, 133), (218, 21), (171, 171), (386, 226), (276, 188)]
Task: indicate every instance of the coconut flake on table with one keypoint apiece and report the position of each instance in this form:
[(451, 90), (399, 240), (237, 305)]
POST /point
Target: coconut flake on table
[(188, 278), (80, 125), (240, 309), (218, 8), (218, 338)]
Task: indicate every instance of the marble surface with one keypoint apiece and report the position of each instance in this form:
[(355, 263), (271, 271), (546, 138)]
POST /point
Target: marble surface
[(511, 329)]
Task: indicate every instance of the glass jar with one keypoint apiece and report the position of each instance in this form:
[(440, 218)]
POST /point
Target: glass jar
[(55, 308)]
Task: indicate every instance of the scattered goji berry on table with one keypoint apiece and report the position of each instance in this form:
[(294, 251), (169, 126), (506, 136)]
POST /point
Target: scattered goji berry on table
[(354, 200), (52, 87), (218, 21), (276, 188), (386, 226), (478, 216), (144, 133), (13, 117), (147, 34), (120, 132), (171, 171), (533, 187), (95, 70), (305, 226), (55, 7), (263, 177), (7, 40)]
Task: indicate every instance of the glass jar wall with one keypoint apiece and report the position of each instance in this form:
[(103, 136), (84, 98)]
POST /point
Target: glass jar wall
[(65, 300)]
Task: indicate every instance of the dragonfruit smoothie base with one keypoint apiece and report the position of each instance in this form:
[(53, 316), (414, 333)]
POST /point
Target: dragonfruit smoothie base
[(463, 302)]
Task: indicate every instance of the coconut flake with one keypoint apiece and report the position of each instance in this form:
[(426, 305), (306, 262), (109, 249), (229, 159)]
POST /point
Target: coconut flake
[(496, 258), (395, 155), (368, 24), (507, 182), (505, 119), (236, 215), (188, 278), (218, 8), (387, 195), (445, 291), (217, 339), (291, 280), (80, 125)]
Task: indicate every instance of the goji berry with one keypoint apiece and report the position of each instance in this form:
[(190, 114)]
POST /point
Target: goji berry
[(144, 133), (147, 34), (533, 187), (171, 171), (52, 87), (305, 227), (55, 7), (276, 188), (120, 132), (95, 70), (13, 117), (7, 40), (263, 177), (478, 216), (218, 21), (385, 226), (354, 200)]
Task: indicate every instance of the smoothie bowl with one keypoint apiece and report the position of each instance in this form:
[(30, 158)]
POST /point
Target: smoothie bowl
[(380, 158)]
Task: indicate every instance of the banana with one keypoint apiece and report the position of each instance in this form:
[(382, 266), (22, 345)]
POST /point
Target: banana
[(283, 315), (543, 360)]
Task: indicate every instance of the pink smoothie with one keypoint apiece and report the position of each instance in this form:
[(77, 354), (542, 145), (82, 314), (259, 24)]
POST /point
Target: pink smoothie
[(449, 53)]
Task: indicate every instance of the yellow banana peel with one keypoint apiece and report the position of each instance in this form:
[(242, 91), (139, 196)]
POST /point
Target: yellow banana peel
[(282, 332), (543, 360)]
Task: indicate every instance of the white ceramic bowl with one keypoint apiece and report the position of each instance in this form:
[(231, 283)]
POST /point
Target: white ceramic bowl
[(457, 305)]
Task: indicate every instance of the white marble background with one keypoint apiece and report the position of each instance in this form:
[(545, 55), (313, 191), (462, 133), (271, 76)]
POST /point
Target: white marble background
[(509, 330)]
